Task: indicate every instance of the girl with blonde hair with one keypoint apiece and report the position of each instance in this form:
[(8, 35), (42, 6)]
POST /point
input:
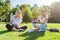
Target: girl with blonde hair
[(15, 21)]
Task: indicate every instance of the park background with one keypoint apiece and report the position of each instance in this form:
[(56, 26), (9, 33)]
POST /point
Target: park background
[(30, 9)]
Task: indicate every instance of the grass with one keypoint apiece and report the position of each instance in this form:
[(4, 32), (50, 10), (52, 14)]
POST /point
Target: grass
[(6, 35)]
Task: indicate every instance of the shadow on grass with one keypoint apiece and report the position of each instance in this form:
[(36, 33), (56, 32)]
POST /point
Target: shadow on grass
[(5, 31), (32, 36)]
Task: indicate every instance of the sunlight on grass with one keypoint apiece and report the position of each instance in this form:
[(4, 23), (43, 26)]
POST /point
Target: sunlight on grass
[(6, 35)]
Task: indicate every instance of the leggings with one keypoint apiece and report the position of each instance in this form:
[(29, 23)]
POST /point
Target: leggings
[(10, 27)]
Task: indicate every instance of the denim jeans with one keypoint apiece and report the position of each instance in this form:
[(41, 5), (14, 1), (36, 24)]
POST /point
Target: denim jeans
[(43, 27)]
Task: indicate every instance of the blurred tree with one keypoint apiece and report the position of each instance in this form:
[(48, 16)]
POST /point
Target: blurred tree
[(4, 9), (55, 12), (27, 11), (55, 9), (47, 9), (35, 11), (27, 14)]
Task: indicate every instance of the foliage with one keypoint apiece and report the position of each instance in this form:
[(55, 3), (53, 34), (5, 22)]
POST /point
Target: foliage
[(4, 9), (35, 11), (27, 11)]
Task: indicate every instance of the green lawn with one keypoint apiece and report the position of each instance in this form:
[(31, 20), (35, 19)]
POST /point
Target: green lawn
[(5, 35)]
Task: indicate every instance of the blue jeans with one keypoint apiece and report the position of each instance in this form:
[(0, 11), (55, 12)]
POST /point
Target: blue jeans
[(43, 27)]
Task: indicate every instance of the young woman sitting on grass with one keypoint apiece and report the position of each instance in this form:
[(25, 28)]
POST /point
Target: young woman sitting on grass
[(15, 22), (42, 19)]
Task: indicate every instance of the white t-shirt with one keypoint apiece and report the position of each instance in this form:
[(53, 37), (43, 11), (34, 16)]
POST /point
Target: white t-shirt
[(16, 21), (42, 19)]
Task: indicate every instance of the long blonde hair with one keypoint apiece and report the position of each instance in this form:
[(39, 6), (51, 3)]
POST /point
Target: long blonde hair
[(18, 11)]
